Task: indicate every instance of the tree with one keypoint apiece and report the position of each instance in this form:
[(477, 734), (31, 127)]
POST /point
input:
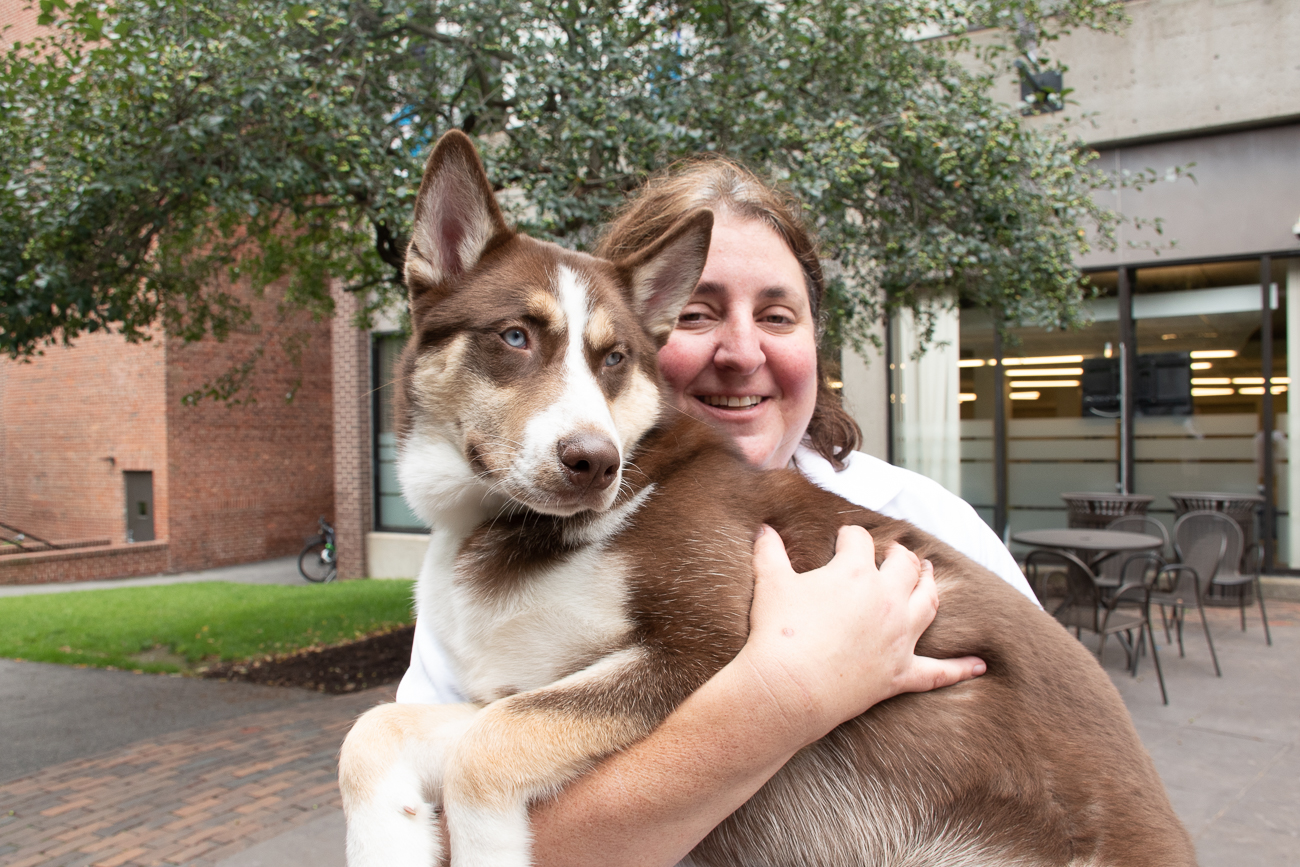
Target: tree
[(157, 152)]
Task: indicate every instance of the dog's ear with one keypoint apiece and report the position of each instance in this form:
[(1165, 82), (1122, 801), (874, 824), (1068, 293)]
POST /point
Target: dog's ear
[(662, 277), (456, 215)]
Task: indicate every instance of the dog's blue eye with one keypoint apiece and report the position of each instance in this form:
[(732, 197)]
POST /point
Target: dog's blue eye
[(515, 337), (613, 358)]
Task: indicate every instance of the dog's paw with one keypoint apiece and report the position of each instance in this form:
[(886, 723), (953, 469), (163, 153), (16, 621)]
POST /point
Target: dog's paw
[(388, 832)]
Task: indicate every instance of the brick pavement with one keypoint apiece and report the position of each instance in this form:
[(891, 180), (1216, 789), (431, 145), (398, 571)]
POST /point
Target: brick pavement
[(190, 798)]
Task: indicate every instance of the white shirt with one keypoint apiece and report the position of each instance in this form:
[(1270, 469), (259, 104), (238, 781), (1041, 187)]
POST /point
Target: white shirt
[(866, 481)]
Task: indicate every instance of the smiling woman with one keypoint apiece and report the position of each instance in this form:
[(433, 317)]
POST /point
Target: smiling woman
[(744, 353)]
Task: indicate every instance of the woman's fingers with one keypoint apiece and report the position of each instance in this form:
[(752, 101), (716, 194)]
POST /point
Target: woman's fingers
[(770, 556), (838, 639), (926, 674)]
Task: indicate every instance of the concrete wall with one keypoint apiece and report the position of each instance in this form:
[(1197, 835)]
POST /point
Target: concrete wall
[(73, 420), (1180, 66), (1245, 198)]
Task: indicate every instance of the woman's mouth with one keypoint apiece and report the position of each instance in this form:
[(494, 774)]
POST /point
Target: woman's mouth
[(730, 401)]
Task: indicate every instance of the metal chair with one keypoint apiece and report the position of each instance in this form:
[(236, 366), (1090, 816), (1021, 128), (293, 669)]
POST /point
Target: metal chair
[(1203, 542), (1116, 569), (1227, 571), (1087, 606)]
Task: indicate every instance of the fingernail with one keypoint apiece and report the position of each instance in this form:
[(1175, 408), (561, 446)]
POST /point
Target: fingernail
[(926, 564), (980, 668)]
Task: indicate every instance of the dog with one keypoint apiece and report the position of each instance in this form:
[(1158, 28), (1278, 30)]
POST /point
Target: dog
[(590, 566)]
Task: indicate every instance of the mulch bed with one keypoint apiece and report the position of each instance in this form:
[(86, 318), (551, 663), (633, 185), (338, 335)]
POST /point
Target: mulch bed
[(371, 661)]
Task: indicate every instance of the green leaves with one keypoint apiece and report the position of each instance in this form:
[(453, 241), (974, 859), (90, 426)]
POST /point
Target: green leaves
[(159, 153)]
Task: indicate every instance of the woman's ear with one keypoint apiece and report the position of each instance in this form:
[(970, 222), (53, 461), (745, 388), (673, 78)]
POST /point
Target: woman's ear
[(662, 277), (456, 216)]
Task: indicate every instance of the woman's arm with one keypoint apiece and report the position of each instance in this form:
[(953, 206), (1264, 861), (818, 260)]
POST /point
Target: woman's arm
[(823, 647)]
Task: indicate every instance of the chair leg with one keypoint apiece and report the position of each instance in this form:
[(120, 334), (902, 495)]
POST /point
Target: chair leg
[(1180, 616), (1263, 614), (1164, 619), (1205, 624), (1160, 675)]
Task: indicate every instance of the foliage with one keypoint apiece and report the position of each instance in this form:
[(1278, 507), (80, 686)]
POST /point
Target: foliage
[(158, 153), (177, 625)]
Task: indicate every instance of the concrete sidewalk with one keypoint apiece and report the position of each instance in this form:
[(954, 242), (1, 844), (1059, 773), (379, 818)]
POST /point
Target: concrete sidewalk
[(281, 570), (259, 788)]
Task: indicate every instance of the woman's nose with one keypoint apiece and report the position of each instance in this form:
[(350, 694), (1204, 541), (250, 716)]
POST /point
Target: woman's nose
[(739, 350)]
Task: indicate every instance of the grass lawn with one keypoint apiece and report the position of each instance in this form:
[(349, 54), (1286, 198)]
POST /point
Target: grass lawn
[(177, 626)]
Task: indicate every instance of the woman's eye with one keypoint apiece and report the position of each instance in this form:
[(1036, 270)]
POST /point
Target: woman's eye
[(613, 358), (515, 337)]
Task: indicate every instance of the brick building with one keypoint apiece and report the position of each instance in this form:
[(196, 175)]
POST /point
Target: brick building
[(98, 445)]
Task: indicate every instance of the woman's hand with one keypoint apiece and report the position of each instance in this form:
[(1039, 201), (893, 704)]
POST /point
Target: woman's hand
[(830, 643)]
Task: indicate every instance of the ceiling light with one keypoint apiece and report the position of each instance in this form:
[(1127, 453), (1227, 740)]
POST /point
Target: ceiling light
[(1045, 359), (1248, 380), (971, 362), (1049, 371), (1024, 395), (965, 397), (1211, 392), (1211, 380), (1201, 365), (1047, 383), (1214, 353)]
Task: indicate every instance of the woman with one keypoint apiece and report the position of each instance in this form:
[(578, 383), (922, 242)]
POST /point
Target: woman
[(824, 646)]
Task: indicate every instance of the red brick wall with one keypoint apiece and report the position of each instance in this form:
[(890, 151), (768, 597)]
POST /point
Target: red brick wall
[(74, 419), (353, 470), (22, 15), (84, 564), (248, 480)]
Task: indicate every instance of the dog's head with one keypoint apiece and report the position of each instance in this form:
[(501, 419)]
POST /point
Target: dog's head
[(531, 370)]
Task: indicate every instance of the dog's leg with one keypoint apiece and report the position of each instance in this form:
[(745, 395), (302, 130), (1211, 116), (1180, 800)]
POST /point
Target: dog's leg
[(528, 746), (390, 775)]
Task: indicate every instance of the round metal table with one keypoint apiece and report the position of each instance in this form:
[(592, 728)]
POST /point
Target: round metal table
[(1095, 541)]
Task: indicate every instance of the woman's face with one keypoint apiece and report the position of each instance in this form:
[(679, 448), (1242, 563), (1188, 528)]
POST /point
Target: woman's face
[(744, 354)]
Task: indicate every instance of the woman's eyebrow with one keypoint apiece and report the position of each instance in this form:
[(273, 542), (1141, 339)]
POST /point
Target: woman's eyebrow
[(770, 293)]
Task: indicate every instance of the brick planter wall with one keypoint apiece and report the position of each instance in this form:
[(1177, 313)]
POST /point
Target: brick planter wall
[(84, 564)]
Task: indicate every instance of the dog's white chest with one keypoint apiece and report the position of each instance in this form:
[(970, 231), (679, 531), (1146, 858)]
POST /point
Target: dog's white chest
[(510, 639)]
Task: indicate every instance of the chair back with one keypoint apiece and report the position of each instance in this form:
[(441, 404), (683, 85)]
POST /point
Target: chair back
[(1143, 524), (1082, 602), (1125, 568), (1209, 542)]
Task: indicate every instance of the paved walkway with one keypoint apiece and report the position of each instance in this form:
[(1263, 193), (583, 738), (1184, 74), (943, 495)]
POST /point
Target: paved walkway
[(258, 789), (193, 797)]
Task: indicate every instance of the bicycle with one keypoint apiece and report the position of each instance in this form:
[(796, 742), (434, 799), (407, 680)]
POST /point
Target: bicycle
[(318, 562)]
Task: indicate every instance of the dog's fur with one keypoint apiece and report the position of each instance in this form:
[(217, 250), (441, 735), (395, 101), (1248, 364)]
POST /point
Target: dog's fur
[(591, 565)]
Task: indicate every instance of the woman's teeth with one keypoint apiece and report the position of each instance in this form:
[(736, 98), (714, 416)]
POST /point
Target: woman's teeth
[(719, 400)]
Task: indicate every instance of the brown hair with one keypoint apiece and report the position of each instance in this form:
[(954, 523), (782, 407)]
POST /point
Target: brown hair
[(725, 185)]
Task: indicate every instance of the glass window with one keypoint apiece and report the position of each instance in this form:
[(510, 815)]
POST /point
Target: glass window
[(391, 511), (1061, 411), (1200, 380)]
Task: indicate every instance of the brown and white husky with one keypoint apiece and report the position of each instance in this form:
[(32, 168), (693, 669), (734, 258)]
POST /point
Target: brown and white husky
[(590, 566)]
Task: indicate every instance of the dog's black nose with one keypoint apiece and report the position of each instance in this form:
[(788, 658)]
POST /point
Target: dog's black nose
[(590, 460)]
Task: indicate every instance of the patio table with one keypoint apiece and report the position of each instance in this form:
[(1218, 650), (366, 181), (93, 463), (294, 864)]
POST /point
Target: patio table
[(1092, 541)]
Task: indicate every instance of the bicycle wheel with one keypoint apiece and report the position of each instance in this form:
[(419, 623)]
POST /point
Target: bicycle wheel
[(313, 566)]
